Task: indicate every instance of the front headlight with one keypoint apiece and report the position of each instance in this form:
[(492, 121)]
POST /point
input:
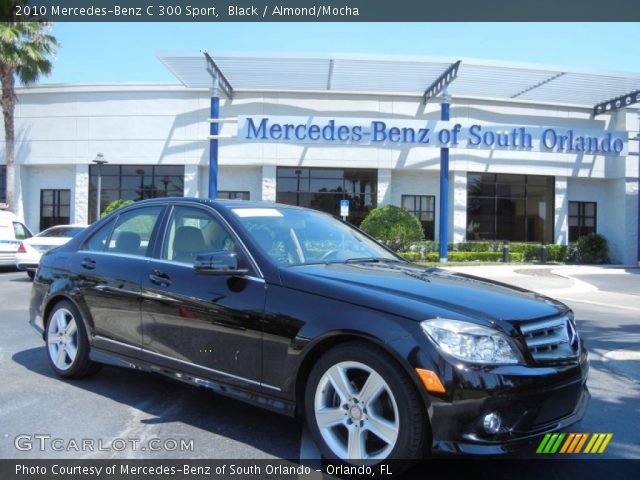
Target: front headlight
[(470, 342)]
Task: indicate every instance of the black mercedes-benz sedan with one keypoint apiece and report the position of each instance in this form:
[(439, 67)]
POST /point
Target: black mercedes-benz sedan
[(296, 311)]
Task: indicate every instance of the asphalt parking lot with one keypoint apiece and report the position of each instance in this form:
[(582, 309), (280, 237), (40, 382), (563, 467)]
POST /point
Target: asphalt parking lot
[(171, 420)]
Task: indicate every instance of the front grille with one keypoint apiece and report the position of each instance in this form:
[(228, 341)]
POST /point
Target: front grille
[(551, 339)]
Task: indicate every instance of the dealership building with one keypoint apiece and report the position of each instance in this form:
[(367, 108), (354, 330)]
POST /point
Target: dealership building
[(528, 157)]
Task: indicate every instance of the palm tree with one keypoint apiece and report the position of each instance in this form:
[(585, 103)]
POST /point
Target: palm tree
[(26, 52)]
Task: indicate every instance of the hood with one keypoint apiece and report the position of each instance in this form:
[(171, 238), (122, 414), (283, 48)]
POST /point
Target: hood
[(419, 293)]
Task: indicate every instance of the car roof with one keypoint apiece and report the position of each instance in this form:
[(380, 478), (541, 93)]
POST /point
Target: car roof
[(224, 203)]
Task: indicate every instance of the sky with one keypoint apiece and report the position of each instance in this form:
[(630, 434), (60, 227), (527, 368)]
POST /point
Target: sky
[(127, 52)]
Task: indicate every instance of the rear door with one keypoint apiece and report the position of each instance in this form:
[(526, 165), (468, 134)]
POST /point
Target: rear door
[(107, 271), (209, 325)]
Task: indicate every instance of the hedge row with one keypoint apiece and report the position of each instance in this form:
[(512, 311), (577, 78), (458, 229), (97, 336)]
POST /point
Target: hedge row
[(527, 252), (461, 256)]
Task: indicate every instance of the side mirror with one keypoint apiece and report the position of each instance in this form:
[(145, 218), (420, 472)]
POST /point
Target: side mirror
[(218, 263)]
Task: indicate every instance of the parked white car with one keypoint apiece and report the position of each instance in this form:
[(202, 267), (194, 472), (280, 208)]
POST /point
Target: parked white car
[(31, 249), (12, 232)]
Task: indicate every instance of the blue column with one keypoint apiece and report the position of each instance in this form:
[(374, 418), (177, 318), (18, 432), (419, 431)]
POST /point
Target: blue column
[(213, 144), (443, 237)]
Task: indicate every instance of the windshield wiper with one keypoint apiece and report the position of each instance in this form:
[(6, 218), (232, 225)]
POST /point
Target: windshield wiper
[(372, 259)]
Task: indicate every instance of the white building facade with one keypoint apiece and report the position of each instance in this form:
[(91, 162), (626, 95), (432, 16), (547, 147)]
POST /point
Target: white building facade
[(156, 141)]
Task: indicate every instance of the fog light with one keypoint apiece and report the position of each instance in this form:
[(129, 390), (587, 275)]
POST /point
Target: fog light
[(491, 423)]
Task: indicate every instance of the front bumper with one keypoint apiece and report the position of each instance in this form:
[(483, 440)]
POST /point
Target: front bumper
[(530, 401)]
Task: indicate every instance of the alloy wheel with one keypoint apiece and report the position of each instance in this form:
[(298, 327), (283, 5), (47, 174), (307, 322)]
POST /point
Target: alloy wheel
[(62, 339), (356, 412)]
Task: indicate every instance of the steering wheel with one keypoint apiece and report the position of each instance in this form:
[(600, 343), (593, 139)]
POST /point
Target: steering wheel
[(330, 255)]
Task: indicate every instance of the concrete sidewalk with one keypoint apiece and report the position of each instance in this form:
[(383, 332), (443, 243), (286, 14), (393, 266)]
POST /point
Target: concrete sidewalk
[(608, 286)]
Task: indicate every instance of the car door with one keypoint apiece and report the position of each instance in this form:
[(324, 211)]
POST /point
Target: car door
[(107, 271), (209, 325)]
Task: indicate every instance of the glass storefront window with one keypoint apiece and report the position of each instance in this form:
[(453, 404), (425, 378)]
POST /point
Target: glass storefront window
[(582, 219), (423, 207), (323, 188), (134, 182), (516, 208), (233, 195)]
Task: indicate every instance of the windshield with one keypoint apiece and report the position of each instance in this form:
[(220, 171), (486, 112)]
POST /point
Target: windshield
[(300, 237)]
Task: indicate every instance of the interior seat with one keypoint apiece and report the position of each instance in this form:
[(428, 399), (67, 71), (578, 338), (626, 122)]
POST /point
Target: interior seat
[(187, 244), (128, 242)]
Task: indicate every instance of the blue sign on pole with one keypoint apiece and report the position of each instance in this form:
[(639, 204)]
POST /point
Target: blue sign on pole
[(344, 208)]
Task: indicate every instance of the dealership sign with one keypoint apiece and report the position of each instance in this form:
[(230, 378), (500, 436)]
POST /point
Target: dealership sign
[(439, 134)]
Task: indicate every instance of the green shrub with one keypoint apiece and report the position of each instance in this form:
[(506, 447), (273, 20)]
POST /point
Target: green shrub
[(424, 247), (478, 247), (473, 257), (411, 256), (557, 253), (115, 205), (393, 226), (592, 248)]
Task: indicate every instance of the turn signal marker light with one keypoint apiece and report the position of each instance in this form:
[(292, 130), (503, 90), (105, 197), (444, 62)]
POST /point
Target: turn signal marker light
[(430, 380)]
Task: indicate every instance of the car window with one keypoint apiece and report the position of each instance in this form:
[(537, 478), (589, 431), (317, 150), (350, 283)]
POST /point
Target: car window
[(133, 230), (98, 240), (192, 231), (21, 232)]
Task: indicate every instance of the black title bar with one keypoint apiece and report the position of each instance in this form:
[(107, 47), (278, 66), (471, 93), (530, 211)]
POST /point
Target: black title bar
[(327, 11)]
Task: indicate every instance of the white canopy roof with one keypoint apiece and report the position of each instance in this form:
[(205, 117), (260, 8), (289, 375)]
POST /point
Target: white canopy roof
[(405, 75)]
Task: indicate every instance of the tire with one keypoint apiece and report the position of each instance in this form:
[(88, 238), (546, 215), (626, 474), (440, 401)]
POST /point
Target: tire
[(31, 274), (67, 344), (382, 423)]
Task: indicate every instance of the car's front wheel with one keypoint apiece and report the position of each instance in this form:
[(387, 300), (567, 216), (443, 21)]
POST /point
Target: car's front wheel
[(361, 405), (67, 342)]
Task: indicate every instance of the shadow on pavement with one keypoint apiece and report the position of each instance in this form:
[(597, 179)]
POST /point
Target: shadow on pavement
[(168, 401)]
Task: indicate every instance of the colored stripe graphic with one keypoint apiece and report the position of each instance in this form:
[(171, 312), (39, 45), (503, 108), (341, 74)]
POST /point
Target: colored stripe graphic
[(582, 442), (567, 442), (555, 447), (594, 439), (606, 442), (573, 443), (543, 443)]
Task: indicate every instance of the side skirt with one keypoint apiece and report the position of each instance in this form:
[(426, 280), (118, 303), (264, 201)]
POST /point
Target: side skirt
[(257, 399)]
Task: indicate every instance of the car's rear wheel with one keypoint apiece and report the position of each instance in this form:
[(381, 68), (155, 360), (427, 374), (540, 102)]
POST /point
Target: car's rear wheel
[(361, 405), (67, 342), (32, 274)]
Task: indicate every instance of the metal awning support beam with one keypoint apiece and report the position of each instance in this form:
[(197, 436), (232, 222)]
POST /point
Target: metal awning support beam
[(617, 103), (441, 82), (612, 105), (440, 85), (217, 75)]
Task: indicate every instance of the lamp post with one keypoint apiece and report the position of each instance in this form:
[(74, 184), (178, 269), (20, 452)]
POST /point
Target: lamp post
[(298, 172), (140, 172), (165, 182), (99, 161)]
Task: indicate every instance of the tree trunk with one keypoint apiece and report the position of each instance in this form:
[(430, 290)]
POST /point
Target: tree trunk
[(8, 108)]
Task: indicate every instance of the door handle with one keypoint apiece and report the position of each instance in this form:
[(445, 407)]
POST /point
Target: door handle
[(88, 263), (160, 278)]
